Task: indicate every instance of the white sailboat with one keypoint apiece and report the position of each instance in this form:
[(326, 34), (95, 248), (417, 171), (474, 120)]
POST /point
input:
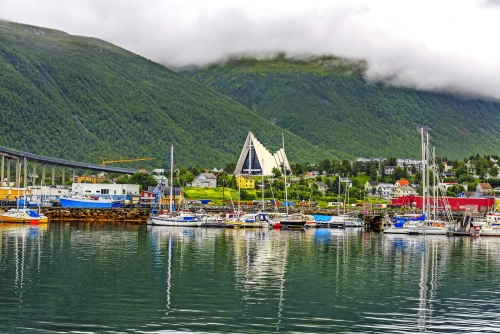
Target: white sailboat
[(183, 218), (423, 224), (23, 214)]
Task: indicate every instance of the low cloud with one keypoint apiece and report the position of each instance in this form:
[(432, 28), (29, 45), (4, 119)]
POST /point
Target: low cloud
[(446, 45)]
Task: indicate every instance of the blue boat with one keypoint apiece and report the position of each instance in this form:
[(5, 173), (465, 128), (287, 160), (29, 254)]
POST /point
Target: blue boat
[(89, 202)]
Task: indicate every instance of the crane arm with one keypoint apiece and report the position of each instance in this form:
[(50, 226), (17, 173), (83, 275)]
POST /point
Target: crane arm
[(104, 161)]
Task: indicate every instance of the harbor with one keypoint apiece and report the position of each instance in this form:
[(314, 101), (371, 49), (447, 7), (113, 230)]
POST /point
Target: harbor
[(77, 275)]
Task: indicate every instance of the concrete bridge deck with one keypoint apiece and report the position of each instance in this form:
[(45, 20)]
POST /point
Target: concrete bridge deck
[(21, 160)]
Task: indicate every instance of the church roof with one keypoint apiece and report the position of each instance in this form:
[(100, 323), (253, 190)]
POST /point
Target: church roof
[(255, 159)]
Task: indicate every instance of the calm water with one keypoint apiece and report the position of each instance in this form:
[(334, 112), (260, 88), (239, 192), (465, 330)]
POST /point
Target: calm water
[(82, 277)]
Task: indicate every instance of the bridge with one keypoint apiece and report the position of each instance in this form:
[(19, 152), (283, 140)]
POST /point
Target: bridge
[(21, 159)]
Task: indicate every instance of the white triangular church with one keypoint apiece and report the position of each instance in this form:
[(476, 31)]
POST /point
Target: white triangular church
[(255, 159)]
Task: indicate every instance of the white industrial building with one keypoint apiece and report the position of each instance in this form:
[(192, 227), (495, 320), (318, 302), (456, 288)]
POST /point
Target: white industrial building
[(117, 191)]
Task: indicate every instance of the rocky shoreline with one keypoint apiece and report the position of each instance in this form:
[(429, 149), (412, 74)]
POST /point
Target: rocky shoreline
[(113, 215)]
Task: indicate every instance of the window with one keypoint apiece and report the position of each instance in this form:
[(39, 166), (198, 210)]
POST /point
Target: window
[(104, 191)]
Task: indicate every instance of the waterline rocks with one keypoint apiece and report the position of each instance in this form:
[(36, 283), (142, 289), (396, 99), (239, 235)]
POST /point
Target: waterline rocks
[(121, 214)]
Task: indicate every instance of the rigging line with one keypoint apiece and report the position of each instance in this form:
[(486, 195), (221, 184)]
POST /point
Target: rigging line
[(160, 186)]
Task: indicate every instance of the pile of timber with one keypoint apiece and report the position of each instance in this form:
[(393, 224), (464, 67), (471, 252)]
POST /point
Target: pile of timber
[(120, 214)]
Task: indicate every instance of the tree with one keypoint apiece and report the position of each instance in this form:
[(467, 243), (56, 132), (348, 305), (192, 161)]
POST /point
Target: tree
[(143, 179), (276, 173), (229, 167), (123, 179)]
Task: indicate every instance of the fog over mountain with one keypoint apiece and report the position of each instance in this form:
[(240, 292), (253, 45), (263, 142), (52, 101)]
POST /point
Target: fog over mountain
[(445, 45)]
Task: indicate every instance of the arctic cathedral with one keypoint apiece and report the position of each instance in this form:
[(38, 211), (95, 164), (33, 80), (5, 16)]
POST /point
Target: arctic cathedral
[(255, 159)]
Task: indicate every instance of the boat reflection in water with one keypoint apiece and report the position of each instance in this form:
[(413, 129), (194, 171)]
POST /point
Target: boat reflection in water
[(428, 255)]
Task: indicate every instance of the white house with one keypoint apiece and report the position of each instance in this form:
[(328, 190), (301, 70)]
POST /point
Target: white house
[(346, 180), (404, 191), (384, 190), (205, 180), (370, 187)]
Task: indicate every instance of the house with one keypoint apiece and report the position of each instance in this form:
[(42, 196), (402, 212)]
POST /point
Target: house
[(148, 196), (347, 181), (245, 182), (485, 189), (404, 191), (389, 170), (384, 190), (448, 166), (402, 183), (322, 187), (445, 185), (205, 180), (161, 178), (411, 164), (370, 187), (89, 179)]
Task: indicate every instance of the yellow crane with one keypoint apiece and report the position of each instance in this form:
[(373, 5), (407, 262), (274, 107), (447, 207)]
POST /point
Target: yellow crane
[(103, 161)]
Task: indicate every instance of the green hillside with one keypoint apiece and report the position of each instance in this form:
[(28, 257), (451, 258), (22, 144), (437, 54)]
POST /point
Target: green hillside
[(327, 101), (81, 98)]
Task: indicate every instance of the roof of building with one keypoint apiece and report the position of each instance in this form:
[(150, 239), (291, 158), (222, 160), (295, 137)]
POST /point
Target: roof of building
[(485, 185), (260, 159), (322, 184), (208, 175), (166, 190), (403, 183), (373, 183), (247, 177)]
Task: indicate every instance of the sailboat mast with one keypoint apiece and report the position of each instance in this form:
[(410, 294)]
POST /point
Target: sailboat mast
[(18, 186), (422, 170), (262, 188), (171, 177), (427, 176), (284, 170)]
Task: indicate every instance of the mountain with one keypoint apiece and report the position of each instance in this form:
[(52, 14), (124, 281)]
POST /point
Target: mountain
[(327, 101), (81, 98)]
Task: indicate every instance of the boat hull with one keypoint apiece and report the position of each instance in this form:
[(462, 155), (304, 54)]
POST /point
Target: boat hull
[(174, 222), (89, 204), (23, 216)]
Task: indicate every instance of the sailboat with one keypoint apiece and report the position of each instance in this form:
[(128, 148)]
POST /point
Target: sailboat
[(183, 218), (23, 214), (296, 220), (422, 224)]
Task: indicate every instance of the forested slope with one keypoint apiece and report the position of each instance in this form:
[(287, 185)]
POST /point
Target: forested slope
[(81, 98), (327, 101)]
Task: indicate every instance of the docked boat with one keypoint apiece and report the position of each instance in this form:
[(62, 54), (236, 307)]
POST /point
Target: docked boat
[(210, 220), (489, 226), (75, 200), (36, 201), (420, 225), (23, 215), (182, 218), (352, 221), (297, 220), (249, 220), (423, 223)]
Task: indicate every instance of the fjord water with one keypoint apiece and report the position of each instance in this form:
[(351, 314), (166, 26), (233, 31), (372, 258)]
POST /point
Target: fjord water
[(94, 278)]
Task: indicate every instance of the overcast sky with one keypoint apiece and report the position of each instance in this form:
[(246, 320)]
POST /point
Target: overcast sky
[(439, 45)]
